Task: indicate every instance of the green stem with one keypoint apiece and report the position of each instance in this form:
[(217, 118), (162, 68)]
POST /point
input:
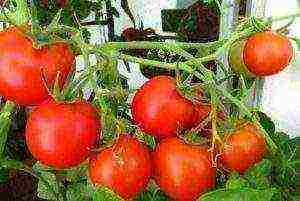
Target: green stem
[(161, 45)]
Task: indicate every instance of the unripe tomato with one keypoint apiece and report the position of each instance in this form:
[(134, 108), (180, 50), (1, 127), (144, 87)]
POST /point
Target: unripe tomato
[(182, 171), (61, 135), (160, 110), (267, 53), (235, 59), (22, 66), (243, 148), (125, 167)]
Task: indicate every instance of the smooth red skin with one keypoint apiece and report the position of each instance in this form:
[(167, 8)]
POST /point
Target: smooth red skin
[(243, 149), (125, 167), (20, 67), (61, 135), (267, 53), (159, 109), (182, 171)]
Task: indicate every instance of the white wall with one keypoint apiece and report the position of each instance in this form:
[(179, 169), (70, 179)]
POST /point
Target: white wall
[(281, 99)]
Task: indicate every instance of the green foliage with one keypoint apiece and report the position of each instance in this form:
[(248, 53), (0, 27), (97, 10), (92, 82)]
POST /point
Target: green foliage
[(243, 194), (105, 194), (152, 193)]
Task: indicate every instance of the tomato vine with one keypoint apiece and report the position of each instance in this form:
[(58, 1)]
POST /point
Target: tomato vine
[(110, 93)]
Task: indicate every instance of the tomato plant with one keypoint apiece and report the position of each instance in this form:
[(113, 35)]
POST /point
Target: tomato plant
[(172, 138), (62, 135)]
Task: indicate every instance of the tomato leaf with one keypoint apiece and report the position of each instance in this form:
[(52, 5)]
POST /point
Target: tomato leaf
[(266, 122), (258, 174), (236, 182), (106, 194), (80, 191), (244, 194), (48, 188), (5, 122)]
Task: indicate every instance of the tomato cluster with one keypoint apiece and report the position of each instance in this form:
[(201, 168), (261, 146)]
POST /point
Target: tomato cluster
[(65, 134)]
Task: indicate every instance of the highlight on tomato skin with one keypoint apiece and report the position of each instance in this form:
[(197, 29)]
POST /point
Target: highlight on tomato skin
[(183, 171), (22, 67), (62, 135), (159, 109), (125, 167), (243, 148), (267, 53)]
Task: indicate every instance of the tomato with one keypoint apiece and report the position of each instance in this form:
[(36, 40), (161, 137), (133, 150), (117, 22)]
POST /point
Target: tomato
[(181, 170), (267, 53), (159, 109), (235, 59), (125, 167), (20, 67), (243, 148), (61, 135)]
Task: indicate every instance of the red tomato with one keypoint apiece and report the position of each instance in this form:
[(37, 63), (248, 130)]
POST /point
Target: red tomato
[(182, 171), (125, 167), (267, 53), (21, 63), (61, 135), (159, 109), (243, 149)]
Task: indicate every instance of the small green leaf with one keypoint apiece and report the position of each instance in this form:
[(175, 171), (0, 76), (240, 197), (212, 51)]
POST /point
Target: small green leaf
[(4, 175), (5, 122), (236, 182), (80, 191), (266, 122), (48, 187), (258, 174), (106, 194), (244, 194)]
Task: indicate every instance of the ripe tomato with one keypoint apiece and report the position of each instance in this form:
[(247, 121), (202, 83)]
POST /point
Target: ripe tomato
[(267, 53), (159, 109), (20, 67), (62, 135), (125, 167), (243, 148), (182, 171)]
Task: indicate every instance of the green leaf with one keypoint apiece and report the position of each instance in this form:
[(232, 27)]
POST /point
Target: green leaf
[(266, 122), (236, 182), (4, 175), (244, 194), (13, 164), (80, 191), (5, 122), (48, 187), (106, 194), (258, 174)]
